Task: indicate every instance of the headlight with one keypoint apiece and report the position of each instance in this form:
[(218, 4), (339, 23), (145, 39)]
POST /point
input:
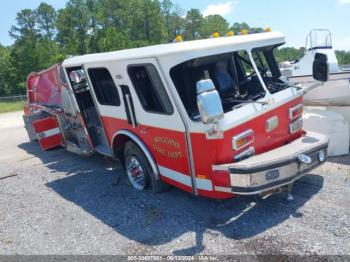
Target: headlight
[(321, 156)]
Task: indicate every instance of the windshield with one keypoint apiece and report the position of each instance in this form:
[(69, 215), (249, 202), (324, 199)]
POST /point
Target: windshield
[(318, 39), (267, 65), (233, 76)]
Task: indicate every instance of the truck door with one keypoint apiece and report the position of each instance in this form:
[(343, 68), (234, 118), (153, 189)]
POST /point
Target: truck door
[(158, 122), (88, 109), (147, 110)]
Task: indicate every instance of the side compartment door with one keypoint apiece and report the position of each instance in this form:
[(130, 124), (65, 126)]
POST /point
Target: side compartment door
[(48, 132)]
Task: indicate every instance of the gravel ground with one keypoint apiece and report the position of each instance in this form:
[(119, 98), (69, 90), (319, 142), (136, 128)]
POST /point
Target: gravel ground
[(59, 203)]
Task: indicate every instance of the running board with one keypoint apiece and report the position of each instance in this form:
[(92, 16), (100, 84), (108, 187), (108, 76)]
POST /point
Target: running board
[(104, 150), (74, 148)]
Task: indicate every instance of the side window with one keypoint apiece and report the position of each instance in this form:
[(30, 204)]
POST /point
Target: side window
[(104, 87), (150, 89), (77, 79), (62, 76)]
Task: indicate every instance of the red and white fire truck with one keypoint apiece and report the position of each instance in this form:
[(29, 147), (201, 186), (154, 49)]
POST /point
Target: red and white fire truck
[(213, 117)]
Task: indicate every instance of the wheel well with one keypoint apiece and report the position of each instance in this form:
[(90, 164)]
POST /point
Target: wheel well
[(118, 146), (119, 142)]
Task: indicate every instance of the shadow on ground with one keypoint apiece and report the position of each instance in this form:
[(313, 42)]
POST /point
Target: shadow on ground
[(158, 219), (343, 160)]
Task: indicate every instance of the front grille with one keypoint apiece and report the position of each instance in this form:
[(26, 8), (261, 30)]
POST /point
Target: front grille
[(272, 174)]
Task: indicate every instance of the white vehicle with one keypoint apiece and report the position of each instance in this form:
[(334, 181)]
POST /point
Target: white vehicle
[(331, 116), (336, 91)]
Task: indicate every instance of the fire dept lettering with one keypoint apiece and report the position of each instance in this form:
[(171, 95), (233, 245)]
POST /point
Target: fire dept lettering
[(160, 145)]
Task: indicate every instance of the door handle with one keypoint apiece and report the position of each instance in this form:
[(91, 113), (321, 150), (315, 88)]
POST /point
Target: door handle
[(128, 100)]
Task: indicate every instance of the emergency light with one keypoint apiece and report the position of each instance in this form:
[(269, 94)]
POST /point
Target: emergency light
[(178, 39), (244, 32), (296, 111), (243, 139), (231, 33), (215, 35)]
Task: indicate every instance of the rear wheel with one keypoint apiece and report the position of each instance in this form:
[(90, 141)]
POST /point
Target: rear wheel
[(139, 170)]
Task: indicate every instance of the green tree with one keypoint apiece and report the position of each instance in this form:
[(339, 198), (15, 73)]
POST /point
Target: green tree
[(45, 19), (174, 22), (115, 13), (193, 23), (73, 26), (289, 53), (212, 24), (257, 29), (237, 27), (94, 31), (45, 36), (114, 23), (343, 57), (153, 21), (112, 40), (177, 22), (26, 25), (8, 81), (23, 56), (167, 9)]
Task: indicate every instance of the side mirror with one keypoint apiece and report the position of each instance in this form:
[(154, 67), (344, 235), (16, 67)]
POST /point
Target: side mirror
[(320, 68), (209, 102)]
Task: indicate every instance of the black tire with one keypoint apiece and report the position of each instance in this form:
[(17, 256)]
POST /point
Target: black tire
[(132, 151)]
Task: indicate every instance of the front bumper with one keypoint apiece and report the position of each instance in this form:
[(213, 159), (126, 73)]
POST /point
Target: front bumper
[(278, 167)]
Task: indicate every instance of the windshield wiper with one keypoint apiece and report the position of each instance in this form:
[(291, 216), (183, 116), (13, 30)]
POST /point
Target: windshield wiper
[(264, 103), (249, 101)]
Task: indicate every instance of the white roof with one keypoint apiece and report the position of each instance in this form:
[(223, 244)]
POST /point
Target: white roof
[(235, 42)]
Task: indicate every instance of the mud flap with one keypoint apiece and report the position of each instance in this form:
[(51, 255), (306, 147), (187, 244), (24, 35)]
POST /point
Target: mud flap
[(48, 133)]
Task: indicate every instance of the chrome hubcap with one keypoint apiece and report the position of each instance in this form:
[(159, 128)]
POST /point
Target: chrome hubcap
[(136, 173)]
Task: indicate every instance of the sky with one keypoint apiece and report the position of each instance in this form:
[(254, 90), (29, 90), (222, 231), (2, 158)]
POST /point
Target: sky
[(294, 18)]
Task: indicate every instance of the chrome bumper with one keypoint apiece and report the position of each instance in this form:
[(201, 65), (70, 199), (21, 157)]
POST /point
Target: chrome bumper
[(278, 167)]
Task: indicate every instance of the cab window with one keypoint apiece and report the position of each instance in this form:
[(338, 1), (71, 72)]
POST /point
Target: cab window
[(104, 87), (150, 89)]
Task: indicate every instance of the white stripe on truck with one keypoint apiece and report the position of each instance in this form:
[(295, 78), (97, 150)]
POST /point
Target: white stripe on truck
[(203, 184), (48, 133)]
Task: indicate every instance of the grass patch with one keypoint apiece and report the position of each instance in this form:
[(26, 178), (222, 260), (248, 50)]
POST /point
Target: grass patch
[(11, 106)]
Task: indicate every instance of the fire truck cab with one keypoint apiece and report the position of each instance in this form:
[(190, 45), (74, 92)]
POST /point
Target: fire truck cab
[(213, 117)]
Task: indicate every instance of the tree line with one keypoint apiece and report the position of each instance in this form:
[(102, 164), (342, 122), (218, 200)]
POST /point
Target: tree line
[(45, 36)]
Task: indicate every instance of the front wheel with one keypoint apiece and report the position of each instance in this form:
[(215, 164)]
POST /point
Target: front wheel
[(136, 172), (139, 171)]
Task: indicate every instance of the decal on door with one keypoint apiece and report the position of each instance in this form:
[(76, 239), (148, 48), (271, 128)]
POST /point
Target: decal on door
[(167, 147)]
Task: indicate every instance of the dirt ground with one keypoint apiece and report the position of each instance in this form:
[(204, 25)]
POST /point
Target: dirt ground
[(59, 203)]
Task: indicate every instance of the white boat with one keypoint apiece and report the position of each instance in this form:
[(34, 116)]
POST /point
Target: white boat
[(336, 92), (327, 108)]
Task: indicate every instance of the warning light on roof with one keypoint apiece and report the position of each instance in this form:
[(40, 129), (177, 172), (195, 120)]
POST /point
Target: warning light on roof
[(215, 35), (268, 29), (231, 33), (178, 39), (244, 32)]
